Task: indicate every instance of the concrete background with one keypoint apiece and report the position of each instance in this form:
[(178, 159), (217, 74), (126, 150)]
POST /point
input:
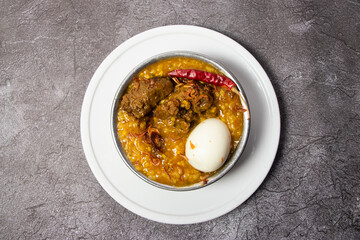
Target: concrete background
[(49, 51)]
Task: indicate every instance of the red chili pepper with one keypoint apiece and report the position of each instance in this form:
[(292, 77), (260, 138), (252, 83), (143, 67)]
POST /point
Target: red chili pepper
[(207, 77)]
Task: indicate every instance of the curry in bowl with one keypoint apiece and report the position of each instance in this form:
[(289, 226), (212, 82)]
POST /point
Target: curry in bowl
[(164, 113)]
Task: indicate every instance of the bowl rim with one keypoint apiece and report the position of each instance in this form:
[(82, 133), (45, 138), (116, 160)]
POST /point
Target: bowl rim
[(230, 162)]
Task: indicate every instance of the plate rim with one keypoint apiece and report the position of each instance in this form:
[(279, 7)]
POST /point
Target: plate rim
[(85, 131)]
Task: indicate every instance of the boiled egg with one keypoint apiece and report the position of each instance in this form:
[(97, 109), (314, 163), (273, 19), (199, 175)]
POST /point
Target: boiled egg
[(208, 145)]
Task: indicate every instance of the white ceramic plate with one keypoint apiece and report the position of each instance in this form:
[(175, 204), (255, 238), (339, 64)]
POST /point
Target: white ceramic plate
[(191, 206)]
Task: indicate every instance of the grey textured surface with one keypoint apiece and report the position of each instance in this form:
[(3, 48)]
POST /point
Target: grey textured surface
[(50, 49)]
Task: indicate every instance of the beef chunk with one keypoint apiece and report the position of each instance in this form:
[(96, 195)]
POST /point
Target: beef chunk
[(141, 99), (198, 94), (170, 107), (185, 103)]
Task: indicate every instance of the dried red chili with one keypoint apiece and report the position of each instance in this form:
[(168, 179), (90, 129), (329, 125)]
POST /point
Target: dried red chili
[(207, 77)]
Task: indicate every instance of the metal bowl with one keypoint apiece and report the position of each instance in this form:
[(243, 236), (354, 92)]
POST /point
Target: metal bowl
[(232, 159)]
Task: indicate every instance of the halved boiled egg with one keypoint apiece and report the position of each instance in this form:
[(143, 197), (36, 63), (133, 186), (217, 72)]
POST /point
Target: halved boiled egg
[(208, 145)]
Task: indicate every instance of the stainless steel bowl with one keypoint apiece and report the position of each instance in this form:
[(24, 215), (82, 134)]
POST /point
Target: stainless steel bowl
[(232, 159)]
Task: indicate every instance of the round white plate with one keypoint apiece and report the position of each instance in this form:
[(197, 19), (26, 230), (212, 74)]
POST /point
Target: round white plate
[(191, 206)]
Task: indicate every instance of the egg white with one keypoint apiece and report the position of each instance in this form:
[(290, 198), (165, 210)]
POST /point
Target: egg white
[(208, 145)]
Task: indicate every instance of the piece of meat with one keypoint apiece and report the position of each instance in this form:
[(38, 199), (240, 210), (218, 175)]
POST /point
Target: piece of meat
[(188, 115), (185, 103), (202, 99), (169, 108), (141, 99), (195, 96)]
